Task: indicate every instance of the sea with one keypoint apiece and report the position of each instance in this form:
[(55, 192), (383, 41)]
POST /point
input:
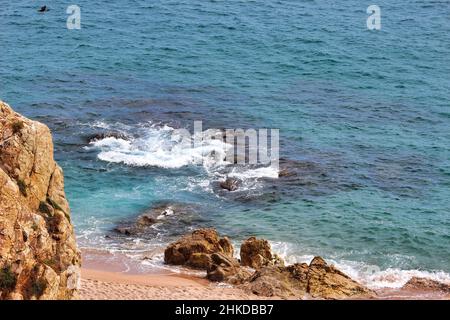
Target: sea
[(363, 118)]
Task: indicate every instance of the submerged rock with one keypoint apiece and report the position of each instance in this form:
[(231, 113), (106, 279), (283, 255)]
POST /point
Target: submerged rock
[(39, 258), (104, 135), (167, 213), (203, 241), (286, 173)]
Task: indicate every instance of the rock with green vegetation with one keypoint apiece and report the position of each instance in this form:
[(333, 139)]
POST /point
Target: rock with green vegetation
[(35, 222)]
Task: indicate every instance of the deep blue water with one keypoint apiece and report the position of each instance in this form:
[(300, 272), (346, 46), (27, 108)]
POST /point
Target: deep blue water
[(363, 115)]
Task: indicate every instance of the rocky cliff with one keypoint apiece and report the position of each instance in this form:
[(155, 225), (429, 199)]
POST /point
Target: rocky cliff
[(39, 258)]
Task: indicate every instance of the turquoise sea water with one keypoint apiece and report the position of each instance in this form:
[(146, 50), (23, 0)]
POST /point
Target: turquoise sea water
[(364, 117)]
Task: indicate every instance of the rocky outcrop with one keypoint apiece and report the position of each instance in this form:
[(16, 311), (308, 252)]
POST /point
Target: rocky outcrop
[(318, 280), (221, 267), (39, 258), (194, 250), (256, 253), (205, 250), (424, 284), (224, 268), (279, 281), (325, 281)]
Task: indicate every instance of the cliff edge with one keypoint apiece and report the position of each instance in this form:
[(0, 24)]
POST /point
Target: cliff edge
[(39, 258)]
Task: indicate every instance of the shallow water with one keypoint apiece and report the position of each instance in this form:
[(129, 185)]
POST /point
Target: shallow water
[(363, 118)]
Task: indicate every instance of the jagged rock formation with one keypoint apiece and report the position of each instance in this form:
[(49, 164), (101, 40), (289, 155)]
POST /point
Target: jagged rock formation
[(279, 281), (205, 250), (39, 258), (318, 280)]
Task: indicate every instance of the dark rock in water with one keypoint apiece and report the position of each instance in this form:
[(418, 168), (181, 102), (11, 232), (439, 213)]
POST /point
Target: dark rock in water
[(104, 135), (424, 284), (230, 184), (128, 231), (286, 173), (147, 219), (174, 215), (187, 250)]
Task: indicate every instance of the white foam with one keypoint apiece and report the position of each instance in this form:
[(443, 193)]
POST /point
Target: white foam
[(263, 172), (169, 148), (397, 278), (160, 147)]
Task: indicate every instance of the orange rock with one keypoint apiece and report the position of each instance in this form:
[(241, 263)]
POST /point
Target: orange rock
[(256, 253), (205, 241), (325, 281), (423, 284), (39, 258)]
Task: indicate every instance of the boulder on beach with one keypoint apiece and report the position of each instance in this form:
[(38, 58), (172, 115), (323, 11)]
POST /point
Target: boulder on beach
[(325, 281), (203, 241), (279, 281), (256, 253), (424, 284)]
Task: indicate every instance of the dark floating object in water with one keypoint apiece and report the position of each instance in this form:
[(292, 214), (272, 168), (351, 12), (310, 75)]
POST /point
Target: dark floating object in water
[(43, 9)]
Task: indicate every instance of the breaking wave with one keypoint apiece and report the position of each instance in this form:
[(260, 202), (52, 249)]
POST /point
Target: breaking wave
[(165, 147), (160, 147)]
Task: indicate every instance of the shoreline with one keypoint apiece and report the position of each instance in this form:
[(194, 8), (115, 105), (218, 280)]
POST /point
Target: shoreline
[(121, 279), (103, 279), (108, 285)]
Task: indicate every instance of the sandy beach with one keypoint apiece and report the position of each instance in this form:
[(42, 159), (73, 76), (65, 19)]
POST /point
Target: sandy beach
[(105, 285)]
